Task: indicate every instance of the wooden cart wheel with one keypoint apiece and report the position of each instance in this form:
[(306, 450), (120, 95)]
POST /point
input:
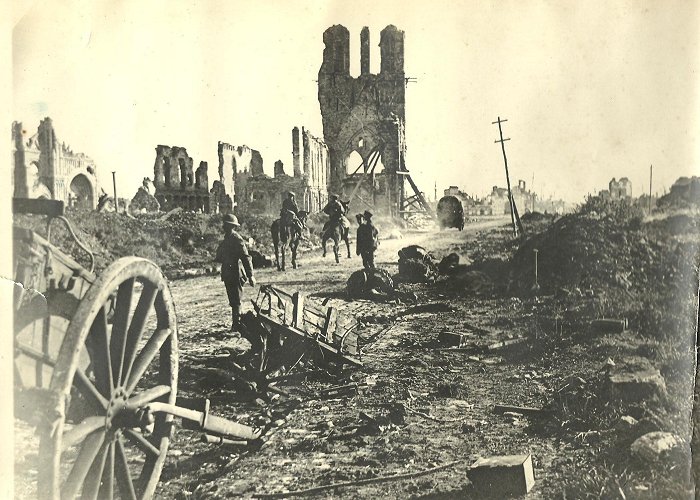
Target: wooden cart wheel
[(119, 353)]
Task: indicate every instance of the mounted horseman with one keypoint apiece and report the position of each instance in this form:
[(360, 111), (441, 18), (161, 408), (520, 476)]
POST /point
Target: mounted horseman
[(337, 227), (288, 230)]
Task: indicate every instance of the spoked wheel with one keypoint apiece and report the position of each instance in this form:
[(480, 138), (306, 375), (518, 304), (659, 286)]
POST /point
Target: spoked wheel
[(119, 354)]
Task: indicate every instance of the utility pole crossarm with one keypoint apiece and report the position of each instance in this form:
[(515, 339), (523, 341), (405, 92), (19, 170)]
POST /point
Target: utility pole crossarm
[(514, 217)]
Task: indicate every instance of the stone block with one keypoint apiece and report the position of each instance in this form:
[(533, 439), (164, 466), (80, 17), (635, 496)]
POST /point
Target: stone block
[(659, 446), (631, 385), (452, 339), (501, 477)]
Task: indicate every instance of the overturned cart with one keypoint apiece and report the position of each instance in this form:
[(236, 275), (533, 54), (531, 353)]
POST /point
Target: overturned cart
[(287, 332), (96, 366)]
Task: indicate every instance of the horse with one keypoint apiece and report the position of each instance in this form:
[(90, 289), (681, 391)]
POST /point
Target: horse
[(287, 234), (337, 232)]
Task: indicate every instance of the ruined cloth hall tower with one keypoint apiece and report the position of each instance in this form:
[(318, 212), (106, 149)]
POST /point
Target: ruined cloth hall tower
[(365, 114)]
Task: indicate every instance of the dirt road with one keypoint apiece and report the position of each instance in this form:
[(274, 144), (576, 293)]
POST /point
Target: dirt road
[(433, 406)]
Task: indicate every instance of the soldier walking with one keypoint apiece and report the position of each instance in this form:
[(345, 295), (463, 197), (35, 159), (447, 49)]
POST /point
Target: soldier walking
[(367, 240), (236, 267)]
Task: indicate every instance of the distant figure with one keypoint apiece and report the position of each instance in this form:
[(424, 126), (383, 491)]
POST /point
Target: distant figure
[(236, 267), (337, 228), (290, 211), (367, 240), (335, 210)]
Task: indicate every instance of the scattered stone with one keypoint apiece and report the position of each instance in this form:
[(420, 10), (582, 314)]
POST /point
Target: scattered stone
[(659, 446), (626, 423), (501, 477), (632, 384), (448, 265)]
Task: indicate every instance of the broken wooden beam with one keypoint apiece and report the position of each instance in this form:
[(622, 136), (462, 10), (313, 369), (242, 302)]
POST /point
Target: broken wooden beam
[(523, 410), (506, 343), (606, 325)]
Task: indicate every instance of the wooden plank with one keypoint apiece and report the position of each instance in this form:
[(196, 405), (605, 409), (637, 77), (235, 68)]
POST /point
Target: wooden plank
[(523, 410), (330, 325), (298, 312)]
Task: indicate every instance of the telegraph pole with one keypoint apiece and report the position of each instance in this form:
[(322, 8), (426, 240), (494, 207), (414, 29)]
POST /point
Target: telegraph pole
[(513, 209), (114, 184), (651, 170)]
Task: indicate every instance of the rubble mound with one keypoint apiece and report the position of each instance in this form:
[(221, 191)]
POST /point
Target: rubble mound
[(588, 251), (143, 202), (537, 217)]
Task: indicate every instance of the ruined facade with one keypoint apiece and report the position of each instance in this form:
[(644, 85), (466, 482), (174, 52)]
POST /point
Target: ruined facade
[(525, 200), (617, 190), (244, 184), (237, 164), (312, 194), (365, 115), (176, 184), (44, 167)]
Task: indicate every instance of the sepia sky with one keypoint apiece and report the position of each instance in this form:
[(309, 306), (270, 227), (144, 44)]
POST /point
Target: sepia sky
[(591, 90)]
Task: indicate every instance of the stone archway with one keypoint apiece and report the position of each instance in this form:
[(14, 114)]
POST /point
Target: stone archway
[(81, 192)]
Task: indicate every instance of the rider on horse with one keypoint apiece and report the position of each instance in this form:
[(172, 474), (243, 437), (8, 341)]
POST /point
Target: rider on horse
[(290, 211), (336, 211)]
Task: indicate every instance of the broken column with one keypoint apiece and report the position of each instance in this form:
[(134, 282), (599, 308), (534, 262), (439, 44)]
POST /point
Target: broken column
[(307, 151), (295, 152)]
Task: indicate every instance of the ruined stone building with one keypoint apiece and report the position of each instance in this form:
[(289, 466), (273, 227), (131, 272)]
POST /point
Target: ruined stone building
[(525, 200), (44, 167), (620, 189), (237, 164), (312, 192), (176, 184), (244, 184), (617, 190), (364, 118)]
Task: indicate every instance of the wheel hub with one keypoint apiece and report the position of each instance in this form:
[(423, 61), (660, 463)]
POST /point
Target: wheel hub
[(115, 410)]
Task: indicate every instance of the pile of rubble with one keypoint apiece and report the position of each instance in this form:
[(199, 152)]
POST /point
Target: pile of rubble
[(587, 252)]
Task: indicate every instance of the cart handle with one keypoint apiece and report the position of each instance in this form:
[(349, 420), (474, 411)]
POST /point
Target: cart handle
[(75, 238)]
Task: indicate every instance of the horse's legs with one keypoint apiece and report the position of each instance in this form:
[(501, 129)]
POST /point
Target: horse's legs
[(336, 250), (284, 251), (347, 241), (293, 248), (277, 254), (323, 242)]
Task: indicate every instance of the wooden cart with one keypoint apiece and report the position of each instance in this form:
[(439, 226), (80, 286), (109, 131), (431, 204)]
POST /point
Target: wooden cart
[(96, 365)]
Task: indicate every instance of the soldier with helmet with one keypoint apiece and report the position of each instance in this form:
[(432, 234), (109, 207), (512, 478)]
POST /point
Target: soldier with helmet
[(367, 239), (290, 211), (236, 266), (336, 213)]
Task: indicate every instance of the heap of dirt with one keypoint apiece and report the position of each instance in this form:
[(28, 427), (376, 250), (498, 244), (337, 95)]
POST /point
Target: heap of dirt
[(175, 241), (587, 251), (537, 217), (632, 267)]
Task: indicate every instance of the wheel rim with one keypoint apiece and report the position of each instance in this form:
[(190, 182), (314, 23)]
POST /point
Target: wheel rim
[(118, 354)]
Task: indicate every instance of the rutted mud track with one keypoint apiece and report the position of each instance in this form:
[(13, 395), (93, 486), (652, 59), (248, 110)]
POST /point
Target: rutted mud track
[(434, 406)]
